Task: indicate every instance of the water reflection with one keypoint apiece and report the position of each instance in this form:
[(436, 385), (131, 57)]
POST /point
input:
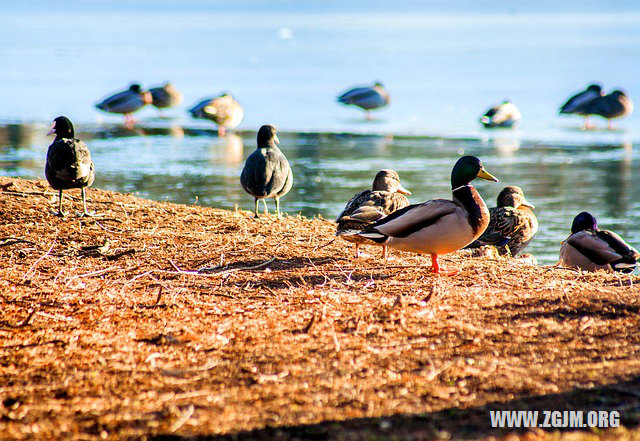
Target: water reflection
[(167, 162)]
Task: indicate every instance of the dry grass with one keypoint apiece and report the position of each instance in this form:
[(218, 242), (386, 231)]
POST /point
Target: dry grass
[(161, 320)]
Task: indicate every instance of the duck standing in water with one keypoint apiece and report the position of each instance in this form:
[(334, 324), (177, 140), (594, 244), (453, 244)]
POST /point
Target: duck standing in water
[(578, 102), (126, 102), (615, 105), (512, 223), (439, 226), (366, 97), (505, 115), (592, 249), (224, 110), (163, 97), (69, 162), (386, 196), (266, 173)]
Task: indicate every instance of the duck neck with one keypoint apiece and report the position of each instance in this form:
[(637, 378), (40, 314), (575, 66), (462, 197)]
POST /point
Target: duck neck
[(477, 211)]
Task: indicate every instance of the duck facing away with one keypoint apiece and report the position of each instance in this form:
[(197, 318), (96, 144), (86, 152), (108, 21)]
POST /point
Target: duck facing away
[(366, 97), (615, 105), (126, 102), (512, 223), (386, 196), (165, 96), (504, 115), (578, 102), (592, 249), (439, 226), (266, 173), (69, 162), (223, 110)]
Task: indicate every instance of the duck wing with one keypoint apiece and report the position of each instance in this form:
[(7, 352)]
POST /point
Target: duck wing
[(123, 102), (197, 111), (605, 106), (69, 164), (593, 247), (578, 102), (412, 218)]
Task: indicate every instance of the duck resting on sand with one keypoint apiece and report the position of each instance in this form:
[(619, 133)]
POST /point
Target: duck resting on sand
[(266, 173), (592, 249), (69, 162), (386, 196), (439, 226), (512, 223)]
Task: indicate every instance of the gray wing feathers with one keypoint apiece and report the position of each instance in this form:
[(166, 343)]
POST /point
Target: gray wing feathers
[(424, 214)]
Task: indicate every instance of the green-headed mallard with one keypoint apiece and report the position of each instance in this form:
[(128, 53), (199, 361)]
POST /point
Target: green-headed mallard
[(592, 249), (615, 105), (126, 102), (386, 196), (266, 173), (223, 110), (366, 97), (503, 115), (165, 96), (512, 223), (578, 102), (439, 226), (69, 162)]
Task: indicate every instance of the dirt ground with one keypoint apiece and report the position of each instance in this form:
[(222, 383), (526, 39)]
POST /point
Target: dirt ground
[(164, 321)]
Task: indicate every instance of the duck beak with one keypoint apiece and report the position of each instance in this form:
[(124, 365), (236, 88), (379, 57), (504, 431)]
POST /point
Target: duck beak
[(483, 174), (275, 138), (52, 129), (403, 190), (526, 203), (147, 98)]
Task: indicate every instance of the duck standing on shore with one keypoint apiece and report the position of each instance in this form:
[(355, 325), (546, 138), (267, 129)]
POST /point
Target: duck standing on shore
[(439, 226), (266, 173), (366, 97), (163, 97), (386, 196), (592, 249), (615, 105), (578, 102), (504, 115), (512, 223), (224, 110), (126, 102), (69, 162)]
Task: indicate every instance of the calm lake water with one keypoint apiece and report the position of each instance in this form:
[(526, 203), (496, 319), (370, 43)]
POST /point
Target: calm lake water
[(286, 61)]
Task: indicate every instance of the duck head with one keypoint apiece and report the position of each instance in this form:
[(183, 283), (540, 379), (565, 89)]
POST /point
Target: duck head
[(513, 196), (595, 88), (618, 93), (267, 136), (389, 180), (584, 221), (466, 170), (62, 128)]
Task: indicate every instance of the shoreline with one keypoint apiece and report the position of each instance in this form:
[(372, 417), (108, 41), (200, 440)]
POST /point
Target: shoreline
[(159, 319)]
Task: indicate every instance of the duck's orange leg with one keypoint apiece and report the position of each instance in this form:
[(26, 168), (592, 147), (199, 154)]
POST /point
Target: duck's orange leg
[(435, 268)]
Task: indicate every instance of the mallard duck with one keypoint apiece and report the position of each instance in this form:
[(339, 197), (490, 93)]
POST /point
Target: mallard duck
[(165, 96), (438, 226), (386, 196), (126, 102), (615, 105), (592, 249), (69, 162), (512, 224), (577, 103), (503, 115), (224, 110), (266, 172), (366, 97)]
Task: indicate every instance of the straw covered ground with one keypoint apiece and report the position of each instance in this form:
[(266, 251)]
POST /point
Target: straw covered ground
[(164, 321)]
